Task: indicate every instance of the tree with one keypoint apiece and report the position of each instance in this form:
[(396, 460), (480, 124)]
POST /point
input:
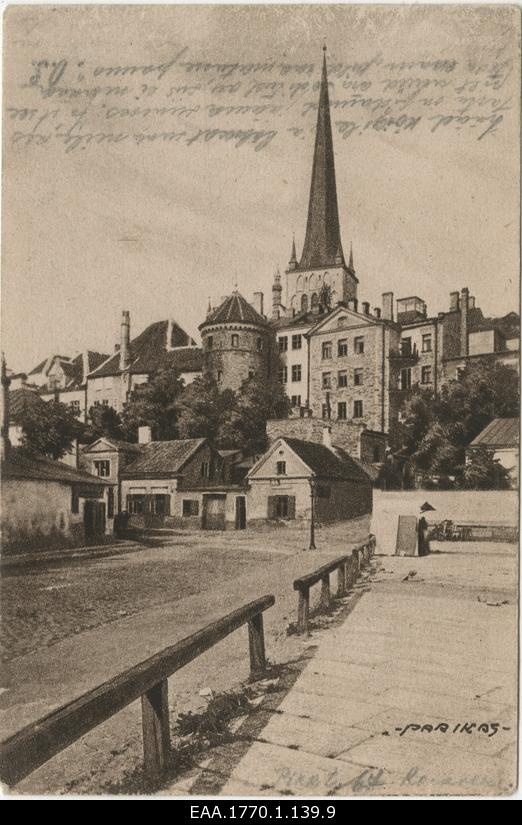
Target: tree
[(50, 429), (436, 429), (103, 421), (483, 472), (257, 401), (154, 405), (201, 408)]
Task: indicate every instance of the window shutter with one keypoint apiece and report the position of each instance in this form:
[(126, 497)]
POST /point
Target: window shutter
[(271, 507), (291, 506)]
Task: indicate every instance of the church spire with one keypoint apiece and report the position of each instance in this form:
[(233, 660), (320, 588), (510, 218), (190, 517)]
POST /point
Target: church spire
[(323, 237), (350, 263), (292, 264)]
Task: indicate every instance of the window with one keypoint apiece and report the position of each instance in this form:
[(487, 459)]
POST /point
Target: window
[(376, 454), (296, 401), (327, 349), (250, 373), (358, 345), (190, 507), (341, 411), (135, 504), (102, 468), (426, 375), (342, 378), (220, 375), (326, 411), (204, 470), (327, 380), (281, 468), (283, 374), (296, 342), (75, 406), (341, 321), (296, 372), (357, 409), (406, 346), (426, 343), (110, 502), (75, 501), (259, 344), (210, 342), (283, 343), (342, 347), (405, 380), (358, 377), (304, 303), (235, 341), (105, 402), (281, 507)]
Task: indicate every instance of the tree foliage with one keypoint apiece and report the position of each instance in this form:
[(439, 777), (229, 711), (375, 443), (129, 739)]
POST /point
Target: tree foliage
[(103, 421), (154, 405), (483, 472), (435, 430), (50, 429)]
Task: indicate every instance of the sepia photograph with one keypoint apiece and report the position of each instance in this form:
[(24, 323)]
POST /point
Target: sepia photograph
[(260, 411)]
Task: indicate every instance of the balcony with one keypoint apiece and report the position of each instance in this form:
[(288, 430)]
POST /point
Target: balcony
[(407, 355)]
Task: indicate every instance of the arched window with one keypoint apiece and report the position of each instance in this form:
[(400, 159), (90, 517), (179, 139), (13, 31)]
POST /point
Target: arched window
[(312, 282), (326, 279), (304, 303), (333, 298), (299, 285), (315, 301)]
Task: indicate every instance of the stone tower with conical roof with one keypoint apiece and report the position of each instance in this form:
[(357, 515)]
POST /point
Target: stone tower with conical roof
[(237, 343), (322, 260)]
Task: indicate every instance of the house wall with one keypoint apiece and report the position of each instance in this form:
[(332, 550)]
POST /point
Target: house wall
[(348, 499), (114, 390), (260, 490), (37, 515), (295, 357)]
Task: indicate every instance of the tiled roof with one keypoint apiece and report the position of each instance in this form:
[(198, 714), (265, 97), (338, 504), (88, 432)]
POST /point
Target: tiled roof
[(163, 457), (22, 401), (326, 463), (234, 309), (501, 432), (22, 465), (149, 354)]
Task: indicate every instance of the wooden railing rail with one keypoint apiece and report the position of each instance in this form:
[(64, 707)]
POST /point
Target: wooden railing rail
[(26, 750), (348, 568)]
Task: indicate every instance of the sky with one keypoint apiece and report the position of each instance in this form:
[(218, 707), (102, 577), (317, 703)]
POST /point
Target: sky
[(158, 226)]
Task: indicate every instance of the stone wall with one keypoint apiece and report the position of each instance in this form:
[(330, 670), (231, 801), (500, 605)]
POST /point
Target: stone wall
[(229, 365), (345, 434)]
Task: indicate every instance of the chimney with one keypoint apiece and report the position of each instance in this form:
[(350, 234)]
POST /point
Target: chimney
[(85, 366), (327, 437), (5, 443), (168, 339), (144, 435), (257, 302), (387, 305), (352, 304), (471, 304), (377, 312), (464, 306), (454, 301), (125, 340), (366, 307)]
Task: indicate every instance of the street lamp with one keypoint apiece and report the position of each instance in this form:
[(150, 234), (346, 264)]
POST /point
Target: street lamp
[(312, 514)]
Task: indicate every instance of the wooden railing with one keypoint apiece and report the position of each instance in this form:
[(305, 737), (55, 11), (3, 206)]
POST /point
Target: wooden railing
[(347, 567), (35, 744)]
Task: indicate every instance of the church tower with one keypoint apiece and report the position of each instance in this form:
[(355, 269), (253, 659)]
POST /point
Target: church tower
[(322, 262)]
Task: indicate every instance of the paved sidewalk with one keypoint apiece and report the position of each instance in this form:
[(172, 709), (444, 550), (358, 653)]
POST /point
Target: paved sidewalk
[(436, 649)]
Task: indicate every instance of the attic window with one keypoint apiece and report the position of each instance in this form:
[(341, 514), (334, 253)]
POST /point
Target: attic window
[(281, 468), (342, 321)]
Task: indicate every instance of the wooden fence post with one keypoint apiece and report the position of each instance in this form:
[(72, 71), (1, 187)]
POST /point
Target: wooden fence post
[(325, 591), (347, 567), (303, 610), (355, 563), (340, 581), (156, 733), (256, 642)]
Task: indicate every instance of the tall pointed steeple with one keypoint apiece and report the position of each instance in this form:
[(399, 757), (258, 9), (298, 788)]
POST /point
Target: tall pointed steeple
[(323, 237)]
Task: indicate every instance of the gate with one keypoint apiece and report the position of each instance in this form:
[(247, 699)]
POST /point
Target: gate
[(213, 512)]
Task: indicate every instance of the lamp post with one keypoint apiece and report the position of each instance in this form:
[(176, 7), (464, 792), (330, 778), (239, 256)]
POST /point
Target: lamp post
[(312, 515)]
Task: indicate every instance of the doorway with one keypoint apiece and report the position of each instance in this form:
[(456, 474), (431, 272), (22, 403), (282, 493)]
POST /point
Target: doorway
[(240, 512), (213, 512)]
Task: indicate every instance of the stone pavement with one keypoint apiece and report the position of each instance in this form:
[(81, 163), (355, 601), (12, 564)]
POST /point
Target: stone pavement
[(414, 693)]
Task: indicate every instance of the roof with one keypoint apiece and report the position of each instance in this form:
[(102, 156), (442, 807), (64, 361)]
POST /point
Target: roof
[(73, 367), (22, 401), (303, 319), (501, 432), (149, 353), (234, 309), (322, 245), (163, 457), (119, 445), (327, 463), (25, 466)]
